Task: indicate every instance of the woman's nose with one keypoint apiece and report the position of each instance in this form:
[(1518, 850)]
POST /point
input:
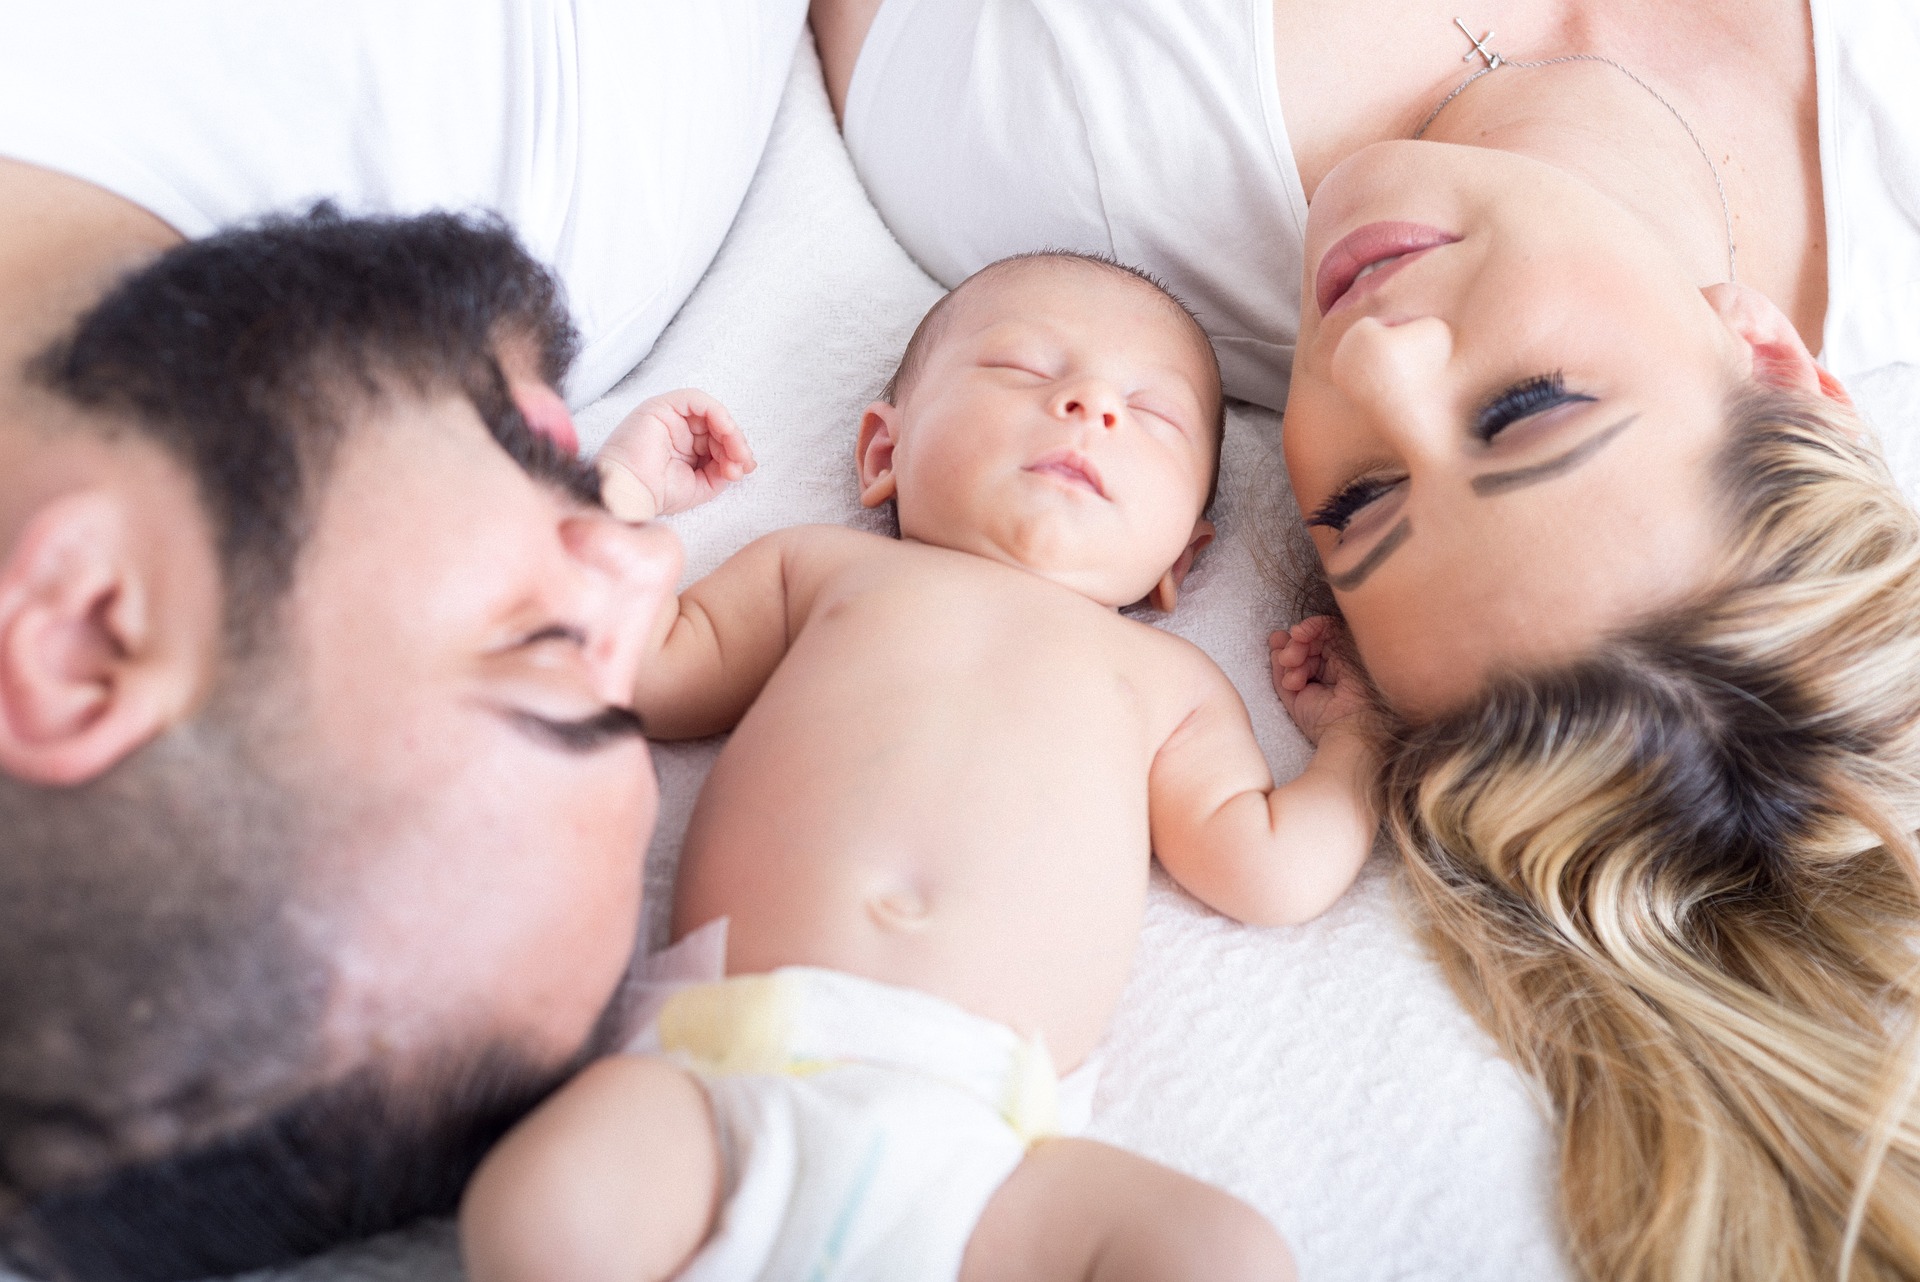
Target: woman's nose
[(1087, 400), (1397, 374), (632, 571)]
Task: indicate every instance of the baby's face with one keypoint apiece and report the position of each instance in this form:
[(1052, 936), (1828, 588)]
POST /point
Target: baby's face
[(1064, 422)]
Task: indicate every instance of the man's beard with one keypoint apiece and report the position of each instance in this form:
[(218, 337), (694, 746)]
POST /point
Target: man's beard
[(154, 987)]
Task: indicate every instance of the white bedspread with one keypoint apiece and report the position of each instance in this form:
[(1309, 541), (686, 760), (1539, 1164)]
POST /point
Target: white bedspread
[(1324, 1073)]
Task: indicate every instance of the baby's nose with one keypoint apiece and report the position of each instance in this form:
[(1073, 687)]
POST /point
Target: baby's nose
[(1089, 400)]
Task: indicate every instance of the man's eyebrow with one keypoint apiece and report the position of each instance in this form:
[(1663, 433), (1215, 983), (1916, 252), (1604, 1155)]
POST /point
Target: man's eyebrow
[(1385, 548), (537, 454), (1516, 478), (547, 463)]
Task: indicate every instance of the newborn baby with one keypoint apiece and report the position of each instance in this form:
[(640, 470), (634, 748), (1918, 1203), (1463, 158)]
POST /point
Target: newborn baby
[(930, 832)]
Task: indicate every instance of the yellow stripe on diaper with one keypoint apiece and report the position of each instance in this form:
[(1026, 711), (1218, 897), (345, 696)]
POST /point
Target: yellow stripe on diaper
[(739, 1025), (1032, 1104), (751, 1023)]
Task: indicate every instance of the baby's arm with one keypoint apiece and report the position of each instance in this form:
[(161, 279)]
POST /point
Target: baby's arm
[(1263, 854), (707, 659)]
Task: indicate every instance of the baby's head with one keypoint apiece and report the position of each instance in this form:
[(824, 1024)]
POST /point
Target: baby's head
[(1060, 413)]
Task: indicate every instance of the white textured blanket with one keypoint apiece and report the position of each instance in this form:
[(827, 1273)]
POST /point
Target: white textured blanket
[(1324, 1073)]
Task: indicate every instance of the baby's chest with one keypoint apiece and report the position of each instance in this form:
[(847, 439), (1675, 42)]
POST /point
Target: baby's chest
[(1025, 656)]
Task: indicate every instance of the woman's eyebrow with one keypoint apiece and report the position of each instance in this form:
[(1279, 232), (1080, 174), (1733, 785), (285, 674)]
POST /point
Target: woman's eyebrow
[(1488, 483), (1388, 544), (1516, 478)]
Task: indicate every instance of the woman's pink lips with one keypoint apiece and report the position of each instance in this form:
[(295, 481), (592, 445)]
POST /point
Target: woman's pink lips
[(1359, 249)]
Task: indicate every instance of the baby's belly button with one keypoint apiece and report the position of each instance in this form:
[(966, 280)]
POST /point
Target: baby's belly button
[(902, 908)]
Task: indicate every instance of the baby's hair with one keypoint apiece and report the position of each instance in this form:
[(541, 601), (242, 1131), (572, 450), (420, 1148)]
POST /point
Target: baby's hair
[(933, 324)]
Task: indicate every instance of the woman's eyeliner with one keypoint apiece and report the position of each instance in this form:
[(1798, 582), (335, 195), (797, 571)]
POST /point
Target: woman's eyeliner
[(1516, 401)]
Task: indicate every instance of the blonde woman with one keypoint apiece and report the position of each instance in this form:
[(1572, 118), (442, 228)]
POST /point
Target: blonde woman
[(1637, 596)]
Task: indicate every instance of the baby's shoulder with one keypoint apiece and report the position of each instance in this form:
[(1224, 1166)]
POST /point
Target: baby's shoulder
[(827, 562), (824, 548), (1176, 665)]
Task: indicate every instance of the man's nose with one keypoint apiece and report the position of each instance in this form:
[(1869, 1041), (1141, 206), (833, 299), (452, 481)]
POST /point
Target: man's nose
[(1398, 376), (632, 571), (1088, 400)]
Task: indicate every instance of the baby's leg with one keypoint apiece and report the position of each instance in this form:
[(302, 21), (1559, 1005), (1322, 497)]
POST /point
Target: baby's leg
[(616, 1176), (1076, 1210)]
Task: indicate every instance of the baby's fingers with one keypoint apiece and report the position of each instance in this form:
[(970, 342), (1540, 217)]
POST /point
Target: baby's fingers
[(719, 441), (730, 442), (1312, 631), (1287, 649), (1294, 669)]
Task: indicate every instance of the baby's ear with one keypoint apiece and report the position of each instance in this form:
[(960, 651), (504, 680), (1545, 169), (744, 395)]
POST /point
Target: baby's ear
[(879, 432), (1166, 593)]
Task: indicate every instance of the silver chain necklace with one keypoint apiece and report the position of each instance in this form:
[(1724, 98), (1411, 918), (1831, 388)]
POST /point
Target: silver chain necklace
[(1495, 61)]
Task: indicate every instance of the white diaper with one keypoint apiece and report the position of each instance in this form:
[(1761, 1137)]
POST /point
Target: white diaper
[(863, 1126)]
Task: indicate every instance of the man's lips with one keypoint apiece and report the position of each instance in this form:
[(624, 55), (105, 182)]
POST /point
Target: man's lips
[(1072, 467), (1341, 265)]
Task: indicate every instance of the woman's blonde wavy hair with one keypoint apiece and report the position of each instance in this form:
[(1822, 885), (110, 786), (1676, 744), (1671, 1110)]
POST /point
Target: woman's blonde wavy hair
[(1678, 882)]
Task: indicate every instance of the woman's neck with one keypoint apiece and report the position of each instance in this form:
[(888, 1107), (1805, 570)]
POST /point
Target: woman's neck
[(1594, 120), (1741, 75)]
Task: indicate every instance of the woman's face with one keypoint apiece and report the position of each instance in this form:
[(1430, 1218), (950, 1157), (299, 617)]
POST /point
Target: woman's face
[(1502, 440)]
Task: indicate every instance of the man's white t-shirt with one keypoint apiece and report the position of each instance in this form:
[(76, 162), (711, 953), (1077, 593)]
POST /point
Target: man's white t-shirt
[(617, 137)]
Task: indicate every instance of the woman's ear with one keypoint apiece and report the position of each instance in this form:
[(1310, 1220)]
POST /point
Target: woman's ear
[(1779, 357), (1166, 593), (879, 432), (89, 668)]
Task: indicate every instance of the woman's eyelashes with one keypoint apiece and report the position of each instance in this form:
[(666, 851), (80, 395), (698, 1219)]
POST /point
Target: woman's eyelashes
[(1520, 400), (1516, 401), (1337, 511)]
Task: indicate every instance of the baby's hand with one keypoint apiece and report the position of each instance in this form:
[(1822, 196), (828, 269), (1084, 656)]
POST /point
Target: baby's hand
[(673, 452), (1317, 688)]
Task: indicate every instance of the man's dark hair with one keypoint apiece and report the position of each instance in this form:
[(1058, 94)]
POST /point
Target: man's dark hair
[(928, 332), (163, 1111)]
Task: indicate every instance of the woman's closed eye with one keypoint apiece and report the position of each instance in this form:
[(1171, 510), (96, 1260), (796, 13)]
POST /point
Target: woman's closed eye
[(1527, 398), (1524, 399), (1339, 510)]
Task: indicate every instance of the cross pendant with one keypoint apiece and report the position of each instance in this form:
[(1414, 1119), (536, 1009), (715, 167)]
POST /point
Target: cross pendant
[(1479, 46)]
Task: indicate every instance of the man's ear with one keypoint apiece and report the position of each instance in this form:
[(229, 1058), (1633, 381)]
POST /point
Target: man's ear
[(1166, 593), (89, 671), (879, 433), (1779, 357)]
